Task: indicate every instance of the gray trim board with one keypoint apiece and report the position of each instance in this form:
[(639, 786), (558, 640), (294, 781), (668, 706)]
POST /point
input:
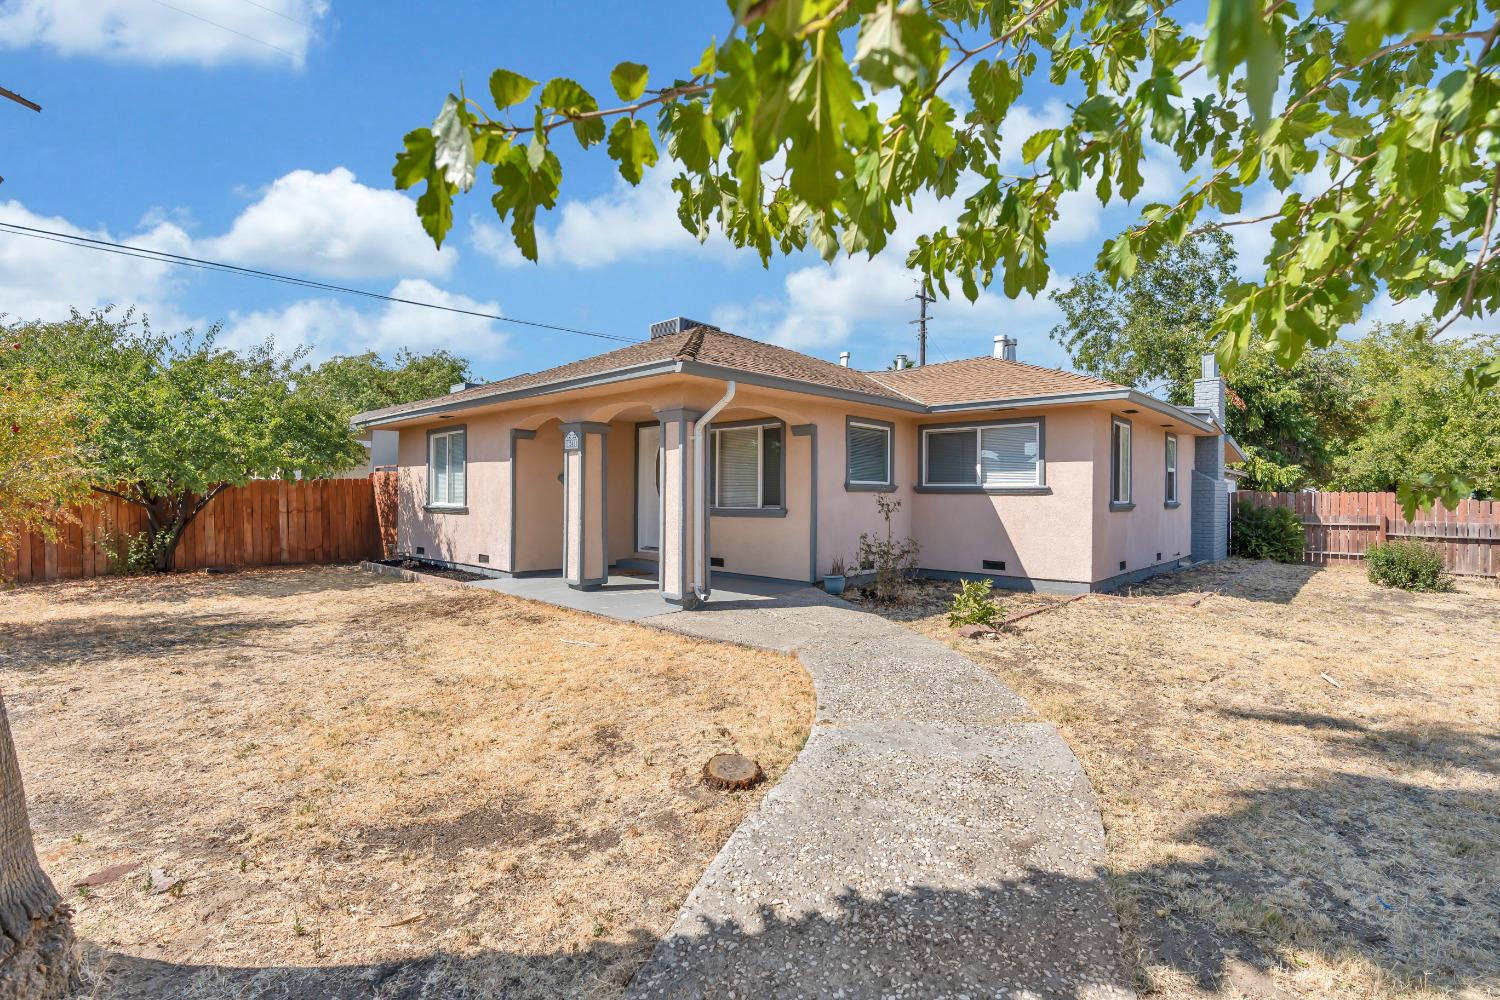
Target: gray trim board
[(635, 486), (676, 590), (810, 431), (747, 512), (1039, 489), (1042, 585), (890, 456), (1175, 499)]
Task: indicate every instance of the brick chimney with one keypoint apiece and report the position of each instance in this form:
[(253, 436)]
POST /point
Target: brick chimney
[(1208, 391)]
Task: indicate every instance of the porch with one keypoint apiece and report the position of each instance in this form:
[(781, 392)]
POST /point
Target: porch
[(632, 595)]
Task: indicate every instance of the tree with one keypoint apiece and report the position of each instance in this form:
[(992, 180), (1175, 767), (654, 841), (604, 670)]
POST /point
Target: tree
[(1154, 326), (1417, 412), (180, 419), (1375, 119), (360, 382), (1150, 330), (42, 471)]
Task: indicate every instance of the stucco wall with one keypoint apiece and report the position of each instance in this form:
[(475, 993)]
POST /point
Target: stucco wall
[(1041, 537), (539, 501), (458, 537), (1136, 536)]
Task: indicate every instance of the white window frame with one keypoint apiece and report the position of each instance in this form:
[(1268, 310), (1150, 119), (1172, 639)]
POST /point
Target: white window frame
[(890, 456), (1119, 464), (446, 435), (760, 465), (1038, 473), (1171, 459)]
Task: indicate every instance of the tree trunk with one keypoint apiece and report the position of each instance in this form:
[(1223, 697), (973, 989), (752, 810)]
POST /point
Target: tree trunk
[(38, 960)]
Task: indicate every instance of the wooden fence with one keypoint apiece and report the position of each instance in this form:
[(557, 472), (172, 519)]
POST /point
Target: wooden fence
[(1341, 526), (269, 522)]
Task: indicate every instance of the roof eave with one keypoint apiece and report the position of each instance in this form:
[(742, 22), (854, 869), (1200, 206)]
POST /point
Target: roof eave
[(725, 373), (1134, 396)]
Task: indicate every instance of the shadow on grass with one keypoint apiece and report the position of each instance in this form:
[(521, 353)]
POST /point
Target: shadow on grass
[(37, 647), (1404, 746), (260, 581), (1389, 883)]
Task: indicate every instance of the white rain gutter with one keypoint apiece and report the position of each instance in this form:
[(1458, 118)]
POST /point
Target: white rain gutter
[(701, 589)]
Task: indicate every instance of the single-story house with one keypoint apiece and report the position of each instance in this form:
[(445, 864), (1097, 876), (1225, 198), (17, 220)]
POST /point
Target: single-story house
[(698, 451)]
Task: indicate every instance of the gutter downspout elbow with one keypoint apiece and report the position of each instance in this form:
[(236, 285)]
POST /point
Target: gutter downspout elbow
[(701, 589)]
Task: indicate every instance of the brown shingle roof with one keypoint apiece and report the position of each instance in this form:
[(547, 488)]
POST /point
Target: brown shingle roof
[(980, 380), (701, 344)]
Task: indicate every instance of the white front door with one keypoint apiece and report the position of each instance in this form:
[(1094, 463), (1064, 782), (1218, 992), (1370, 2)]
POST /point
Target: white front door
[(648, 487)]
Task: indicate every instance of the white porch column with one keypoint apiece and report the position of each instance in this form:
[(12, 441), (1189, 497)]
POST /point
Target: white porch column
[(675, 577), (585, 505)]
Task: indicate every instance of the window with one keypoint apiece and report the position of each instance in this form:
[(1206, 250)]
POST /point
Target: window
[(747, 467), (1119, 462), (869, 458), (996, 457), (1171, 493), (447, 467)]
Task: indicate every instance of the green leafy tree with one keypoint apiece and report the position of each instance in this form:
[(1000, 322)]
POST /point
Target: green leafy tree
[(1376, 119), (179, 419), (43, 459), (1417, 411), (359, 382), (1151, 329)]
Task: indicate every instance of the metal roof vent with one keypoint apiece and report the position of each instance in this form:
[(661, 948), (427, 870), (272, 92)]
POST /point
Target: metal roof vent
[(461, 386), (675, 325)]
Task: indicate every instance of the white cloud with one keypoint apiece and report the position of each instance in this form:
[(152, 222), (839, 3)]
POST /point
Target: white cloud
[(332, 225), (203, 32), (41, 279), (626, 222), (328, 327)]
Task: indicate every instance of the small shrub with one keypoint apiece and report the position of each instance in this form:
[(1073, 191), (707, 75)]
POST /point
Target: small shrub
[(127, 554), (891, 560), (1408, 565), (974, 605), (1267, 533)]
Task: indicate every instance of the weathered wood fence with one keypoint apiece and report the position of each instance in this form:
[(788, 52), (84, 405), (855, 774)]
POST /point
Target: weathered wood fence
[(270, 522), (1341, 526)]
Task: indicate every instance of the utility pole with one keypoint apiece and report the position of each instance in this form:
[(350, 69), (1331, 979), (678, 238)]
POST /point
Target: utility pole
[(923, 296)]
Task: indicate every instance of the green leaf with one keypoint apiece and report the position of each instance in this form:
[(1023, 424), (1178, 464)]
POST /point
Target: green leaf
[(1034, 145), (1239, 35), (414, 162), (453, 147), (708, 61), (509, 89), (695, 138), (823, 92), (629, 80), (630, 144)]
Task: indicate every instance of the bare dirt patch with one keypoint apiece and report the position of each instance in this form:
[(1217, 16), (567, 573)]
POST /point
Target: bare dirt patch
[(371, 788), (1300, 776)]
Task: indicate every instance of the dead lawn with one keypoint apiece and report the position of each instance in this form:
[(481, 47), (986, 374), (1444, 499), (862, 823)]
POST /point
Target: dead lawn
[(1274, 831), (372, 788)]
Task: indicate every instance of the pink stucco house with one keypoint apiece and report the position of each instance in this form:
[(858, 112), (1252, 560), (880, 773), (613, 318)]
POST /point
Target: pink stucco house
[(699, 452)]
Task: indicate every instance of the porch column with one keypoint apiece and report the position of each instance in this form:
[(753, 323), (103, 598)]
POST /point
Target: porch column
[(585, 510), (676, 537)]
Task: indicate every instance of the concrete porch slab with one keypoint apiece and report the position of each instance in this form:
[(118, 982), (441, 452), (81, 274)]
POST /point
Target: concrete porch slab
[(630, 596)]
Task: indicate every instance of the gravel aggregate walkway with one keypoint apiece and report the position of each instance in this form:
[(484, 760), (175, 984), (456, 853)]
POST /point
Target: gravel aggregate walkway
[(932, 840)]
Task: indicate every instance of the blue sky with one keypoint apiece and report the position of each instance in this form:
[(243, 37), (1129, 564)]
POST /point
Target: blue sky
[(266, 140)]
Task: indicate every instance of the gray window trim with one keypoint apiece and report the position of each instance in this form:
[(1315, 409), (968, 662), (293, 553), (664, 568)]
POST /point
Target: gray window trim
[(851, 485), (1040, 488), (1114, 464), (442, 508), (1175, 500), (713, 485)]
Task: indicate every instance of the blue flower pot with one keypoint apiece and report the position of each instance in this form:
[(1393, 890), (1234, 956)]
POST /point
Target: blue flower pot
[(833, 585)]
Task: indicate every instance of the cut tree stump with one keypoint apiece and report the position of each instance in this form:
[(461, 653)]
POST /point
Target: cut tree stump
[(732, 771)]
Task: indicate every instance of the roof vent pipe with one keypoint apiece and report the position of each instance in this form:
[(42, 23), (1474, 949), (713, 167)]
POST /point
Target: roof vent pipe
[(1005, 348), (844, 358)]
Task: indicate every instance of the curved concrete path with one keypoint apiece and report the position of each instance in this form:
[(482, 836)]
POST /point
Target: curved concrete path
[(931, 840)]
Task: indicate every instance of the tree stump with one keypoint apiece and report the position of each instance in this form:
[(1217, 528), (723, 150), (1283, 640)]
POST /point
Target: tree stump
[(732, 772)]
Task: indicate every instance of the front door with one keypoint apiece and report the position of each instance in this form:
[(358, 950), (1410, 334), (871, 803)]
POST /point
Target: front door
[(648, 487)]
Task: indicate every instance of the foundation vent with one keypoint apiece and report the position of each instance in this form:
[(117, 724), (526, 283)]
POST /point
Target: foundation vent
[(421, 551), (994, 564), (484, 557), (1122, 563), (716, 561)]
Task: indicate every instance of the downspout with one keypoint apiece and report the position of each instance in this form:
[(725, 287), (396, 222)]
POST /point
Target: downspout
[(701, 589)]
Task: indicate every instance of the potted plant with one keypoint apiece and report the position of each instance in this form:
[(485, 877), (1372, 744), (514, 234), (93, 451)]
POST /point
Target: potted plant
[(833, 583)]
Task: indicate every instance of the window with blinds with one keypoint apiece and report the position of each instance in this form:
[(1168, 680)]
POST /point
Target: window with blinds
[(1119, 461), (447, 468), (747, 464), (869, 455), (996, 457), (1171, 468)]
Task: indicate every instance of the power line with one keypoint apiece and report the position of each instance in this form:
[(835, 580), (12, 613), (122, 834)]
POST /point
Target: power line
[(273, 10), (163, 257), (225, 27)]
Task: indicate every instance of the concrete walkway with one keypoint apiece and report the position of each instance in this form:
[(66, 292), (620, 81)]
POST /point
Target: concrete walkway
[(928, 842)]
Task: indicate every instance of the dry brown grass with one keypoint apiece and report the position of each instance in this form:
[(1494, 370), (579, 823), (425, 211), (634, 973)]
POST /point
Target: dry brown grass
[(374, 788), (1271, 834)]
